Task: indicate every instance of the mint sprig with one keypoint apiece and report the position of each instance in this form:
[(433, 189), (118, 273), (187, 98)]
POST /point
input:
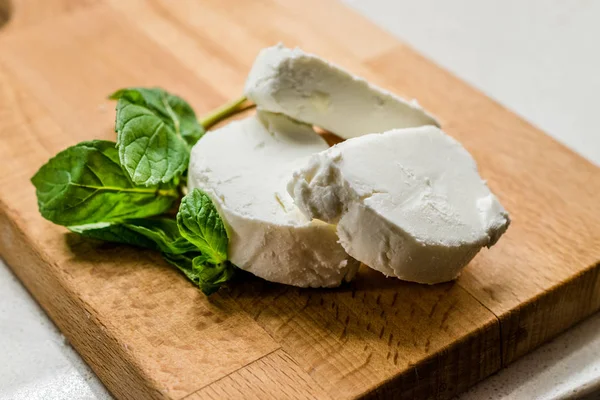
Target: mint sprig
[(121, 192)]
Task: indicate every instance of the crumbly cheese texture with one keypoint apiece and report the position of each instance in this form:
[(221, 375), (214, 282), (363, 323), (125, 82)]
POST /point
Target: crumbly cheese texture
[(244, 168), (317, 92), (408, 202)]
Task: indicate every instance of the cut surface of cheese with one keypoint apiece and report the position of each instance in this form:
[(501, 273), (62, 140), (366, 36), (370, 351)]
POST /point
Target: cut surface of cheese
[(244, 167), (408, 202), (317, 92)]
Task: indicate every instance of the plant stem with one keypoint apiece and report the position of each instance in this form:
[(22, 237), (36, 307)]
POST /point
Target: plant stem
[(168, 192), (223, 112)]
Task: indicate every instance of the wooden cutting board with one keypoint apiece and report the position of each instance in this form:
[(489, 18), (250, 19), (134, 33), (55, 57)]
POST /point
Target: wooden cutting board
[(149, 334)]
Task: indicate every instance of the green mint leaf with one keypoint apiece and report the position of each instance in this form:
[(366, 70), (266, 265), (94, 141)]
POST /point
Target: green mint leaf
[(209, 277), (164, 232), (115, 233), (172, 109), (85, 184), (149, 149), (160, 234), (200, 223), (184, 262)]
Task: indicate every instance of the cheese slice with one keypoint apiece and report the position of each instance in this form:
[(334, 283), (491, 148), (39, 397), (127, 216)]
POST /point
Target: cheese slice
[(244, 168), (312, 90), (408, 202)]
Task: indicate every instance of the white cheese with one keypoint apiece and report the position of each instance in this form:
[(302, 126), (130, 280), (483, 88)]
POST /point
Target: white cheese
[(408, 202), (312, 90), (244, 168)]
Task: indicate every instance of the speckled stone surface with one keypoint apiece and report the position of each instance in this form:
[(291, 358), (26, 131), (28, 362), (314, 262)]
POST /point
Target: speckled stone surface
[(567, 367), (544, 68), (36, 362)]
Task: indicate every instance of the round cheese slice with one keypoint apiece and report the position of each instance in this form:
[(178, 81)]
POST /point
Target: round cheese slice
[(244, 168), (408, 202), (317, 92)]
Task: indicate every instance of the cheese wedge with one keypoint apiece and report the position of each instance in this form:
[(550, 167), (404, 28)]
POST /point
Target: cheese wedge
[(408, 202), (244, 168), (312, 90)]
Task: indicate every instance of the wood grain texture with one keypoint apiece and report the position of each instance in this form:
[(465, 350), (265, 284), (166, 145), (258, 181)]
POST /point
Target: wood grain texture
[(275, 376), (372, 337), (149, 334), (17, 14)]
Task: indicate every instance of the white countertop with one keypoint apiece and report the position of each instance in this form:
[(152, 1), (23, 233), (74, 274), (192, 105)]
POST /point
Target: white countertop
[(540, 58)]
